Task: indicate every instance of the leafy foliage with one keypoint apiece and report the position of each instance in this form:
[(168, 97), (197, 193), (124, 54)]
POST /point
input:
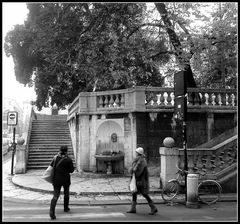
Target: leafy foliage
[(208, 39), (82, 47), (66, 48)]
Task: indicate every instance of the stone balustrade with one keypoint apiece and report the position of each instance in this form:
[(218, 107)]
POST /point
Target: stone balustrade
[(195, 96), (211, 161), (147, 99)]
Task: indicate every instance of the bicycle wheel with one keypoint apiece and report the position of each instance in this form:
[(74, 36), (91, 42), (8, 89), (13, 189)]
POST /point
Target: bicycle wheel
[(170, 190), (209, 191)]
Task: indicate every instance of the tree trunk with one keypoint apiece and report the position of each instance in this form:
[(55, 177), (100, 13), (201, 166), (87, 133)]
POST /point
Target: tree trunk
[(183, 60)]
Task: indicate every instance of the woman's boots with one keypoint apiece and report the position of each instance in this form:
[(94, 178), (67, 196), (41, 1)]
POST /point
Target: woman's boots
[(153, 208), (133, 207), (66, 203), (52, 209)]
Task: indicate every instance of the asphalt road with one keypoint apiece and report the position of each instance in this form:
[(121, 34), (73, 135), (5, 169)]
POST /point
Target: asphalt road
[(28, 212)]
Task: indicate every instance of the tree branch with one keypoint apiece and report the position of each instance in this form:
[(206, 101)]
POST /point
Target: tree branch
[(144, 24), (162, 52)]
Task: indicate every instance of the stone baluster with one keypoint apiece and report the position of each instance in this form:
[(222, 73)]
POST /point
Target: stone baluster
[(218, 99), (190, 99), (195, 164), (213, 166), (223, 99), (165, 95), (122, 100), (106, 101), (228, 99), (213, 99), (209, 99), (111, 101), (233, 99), (172, 96), (206, 99), (100, 102), (203, 99), (204, 164), (117, 101), (162, 99), (221, 160), (154, 100), (169, 98), (229, 156), (158, 99)]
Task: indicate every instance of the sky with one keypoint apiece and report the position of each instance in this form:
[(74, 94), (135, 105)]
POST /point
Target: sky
[(12, 14)]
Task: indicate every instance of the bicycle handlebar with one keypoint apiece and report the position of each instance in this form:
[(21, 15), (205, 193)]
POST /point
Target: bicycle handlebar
[(182, 171)]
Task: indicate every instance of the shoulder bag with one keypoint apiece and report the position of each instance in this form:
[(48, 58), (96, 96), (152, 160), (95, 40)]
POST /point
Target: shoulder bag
[(49, 172)]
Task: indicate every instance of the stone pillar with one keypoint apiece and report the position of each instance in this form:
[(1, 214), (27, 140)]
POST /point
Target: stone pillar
[(128, 142), (169, 160), (93, 143), (210, 126), (20, 165), (84, 146), (132, 117)]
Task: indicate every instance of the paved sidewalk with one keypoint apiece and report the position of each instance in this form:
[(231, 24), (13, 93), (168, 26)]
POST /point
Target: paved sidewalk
[(85, 189)]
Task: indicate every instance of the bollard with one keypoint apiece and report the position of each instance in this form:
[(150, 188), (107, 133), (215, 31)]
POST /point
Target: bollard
[(192, 191)]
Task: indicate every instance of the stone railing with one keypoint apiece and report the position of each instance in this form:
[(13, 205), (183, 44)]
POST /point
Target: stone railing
[(143, 99), (164, 97), (73, 108), (211, 161)]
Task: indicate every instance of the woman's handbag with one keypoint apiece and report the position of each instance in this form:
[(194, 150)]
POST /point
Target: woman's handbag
[(49, 172), (132, 185)]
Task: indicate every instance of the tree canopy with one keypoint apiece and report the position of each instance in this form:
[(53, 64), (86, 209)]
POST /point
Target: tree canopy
[(66, 48)]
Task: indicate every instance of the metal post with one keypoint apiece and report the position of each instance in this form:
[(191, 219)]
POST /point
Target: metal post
[(185, 155), (185, 143), (13, 149)]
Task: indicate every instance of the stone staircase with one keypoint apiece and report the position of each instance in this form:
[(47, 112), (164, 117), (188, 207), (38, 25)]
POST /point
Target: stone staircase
[(49, 132)]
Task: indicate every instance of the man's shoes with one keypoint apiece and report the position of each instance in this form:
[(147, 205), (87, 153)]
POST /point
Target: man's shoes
[(66, 209), (52, 216)]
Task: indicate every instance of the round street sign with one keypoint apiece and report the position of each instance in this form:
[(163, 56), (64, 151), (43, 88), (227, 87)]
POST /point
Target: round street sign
[(12, 116)]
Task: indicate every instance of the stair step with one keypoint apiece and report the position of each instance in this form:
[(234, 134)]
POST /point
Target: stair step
[(50, 140), (49, 144), (48, 134), (41, 160), (44, 156), (52, 131), (39, 153)]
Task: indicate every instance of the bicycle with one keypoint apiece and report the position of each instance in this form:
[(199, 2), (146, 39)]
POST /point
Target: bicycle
[(209, 191)]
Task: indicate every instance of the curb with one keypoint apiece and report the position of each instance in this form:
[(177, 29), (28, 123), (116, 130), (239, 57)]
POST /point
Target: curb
[(81, 193)]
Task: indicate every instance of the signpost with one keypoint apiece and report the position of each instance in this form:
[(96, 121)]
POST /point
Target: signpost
[(12, 120), (180, 111)]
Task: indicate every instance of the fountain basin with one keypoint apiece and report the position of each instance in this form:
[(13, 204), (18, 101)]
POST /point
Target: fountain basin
[(114, 162), (109, 158)]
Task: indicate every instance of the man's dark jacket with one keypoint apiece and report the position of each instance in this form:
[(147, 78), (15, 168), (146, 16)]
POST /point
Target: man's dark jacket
[(62, 171)]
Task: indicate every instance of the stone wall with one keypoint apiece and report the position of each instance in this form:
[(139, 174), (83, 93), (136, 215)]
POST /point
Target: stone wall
[(152, 132)]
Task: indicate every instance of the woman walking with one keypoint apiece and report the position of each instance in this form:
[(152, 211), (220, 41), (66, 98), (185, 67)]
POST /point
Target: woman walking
[(62, 169), (139, 168)]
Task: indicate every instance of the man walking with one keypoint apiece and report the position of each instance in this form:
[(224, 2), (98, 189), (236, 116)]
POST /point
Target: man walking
[(63, 168)]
